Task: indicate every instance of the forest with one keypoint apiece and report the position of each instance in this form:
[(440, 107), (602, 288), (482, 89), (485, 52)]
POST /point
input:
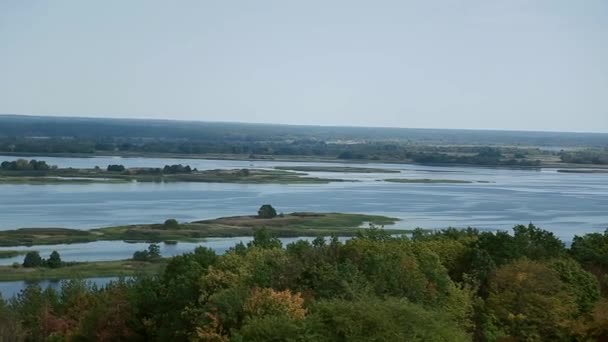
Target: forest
[(448, 285)]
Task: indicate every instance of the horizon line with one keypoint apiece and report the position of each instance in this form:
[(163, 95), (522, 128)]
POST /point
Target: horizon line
[(78, 116)]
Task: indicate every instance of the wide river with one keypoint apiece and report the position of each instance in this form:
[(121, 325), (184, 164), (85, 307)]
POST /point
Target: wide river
[(565, 203)]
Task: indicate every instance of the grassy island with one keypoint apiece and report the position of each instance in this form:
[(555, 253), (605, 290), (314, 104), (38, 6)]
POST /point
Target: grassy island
[(289, 225), (28, 174), (427, 181), (341, 169)]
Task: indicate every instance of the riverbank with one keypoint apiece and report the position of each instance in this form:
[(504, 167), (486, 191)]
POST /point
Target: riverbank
[(81, 270), (289, 225)]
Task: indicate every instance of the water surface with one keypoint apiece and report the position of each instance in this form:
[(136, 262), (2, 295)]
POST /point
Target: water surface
[(565, 203)]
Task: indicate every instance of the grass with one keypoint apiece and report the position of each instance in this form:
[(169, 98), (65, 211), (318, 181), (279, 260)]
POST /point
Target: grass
[(290, 225), (428, 181), (82, 270), (342, 169), (87, 176)]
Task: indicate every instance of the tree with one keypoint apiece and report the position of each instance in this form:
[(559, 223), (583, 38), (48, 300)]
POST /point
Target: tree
[(265, 301), (54, 260), (531, 303), (171, 224), (151, 254), (266, 211), (116, 168), (32, 259), (374, 319), (154, 252), (264, 239)]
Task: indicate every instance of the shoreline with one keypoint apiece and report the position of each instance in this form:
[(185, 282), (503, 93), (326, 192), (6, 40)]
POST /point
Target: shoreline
[(297, 159)]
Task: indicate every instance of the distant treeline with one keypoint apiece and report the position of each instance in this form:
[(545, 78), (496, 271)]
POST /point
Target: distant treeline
[(168, 169), (598, 157), (371, 151), (95, 131)]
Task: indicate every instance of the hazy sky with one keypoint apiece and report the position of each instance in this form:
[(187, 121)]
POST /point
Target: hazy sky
[(516, 64)]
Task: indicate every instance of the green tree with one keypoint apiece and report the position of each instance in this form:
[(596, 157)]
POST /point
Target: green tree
[(116, 168), (531, 303), (32, 259), (263, 238), (374, 319), (154, 252), (171, 224), (54, 260), (266, 211), (582, 284)]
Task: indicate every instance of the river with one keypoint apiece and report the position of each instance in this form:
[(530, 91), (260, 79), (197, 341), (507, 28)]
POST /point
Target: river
[(565, 203)]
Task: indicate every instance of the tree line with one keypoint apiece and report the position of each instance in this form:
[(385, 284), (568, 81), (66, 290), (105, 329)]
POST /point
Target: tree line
[(259, 147), (448, 285)]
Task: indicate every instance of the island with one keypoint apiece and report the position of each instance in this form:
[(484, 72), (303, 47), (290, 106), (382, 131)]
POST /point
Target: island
[(427, 181), (340, 169), (282, 225), (39, 172)]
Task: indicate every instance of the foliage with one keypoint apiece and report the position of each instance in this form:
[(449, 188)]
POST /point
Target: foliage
[(530, 301), (171, 224), (32, 259), (22, 165), (266, 211), (151, 254), (374, 319), (176, 168), (448, 285), (116, 168), (54, 260)]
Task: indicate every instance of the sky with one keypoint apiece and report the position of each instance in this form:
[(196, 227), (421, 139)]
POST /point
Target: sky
[(483, 64)]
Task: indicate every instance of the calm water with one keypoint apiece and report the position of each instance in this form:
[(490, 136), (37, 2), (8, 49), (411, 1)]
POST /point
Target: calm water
[(567, 204), (9, 289)]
